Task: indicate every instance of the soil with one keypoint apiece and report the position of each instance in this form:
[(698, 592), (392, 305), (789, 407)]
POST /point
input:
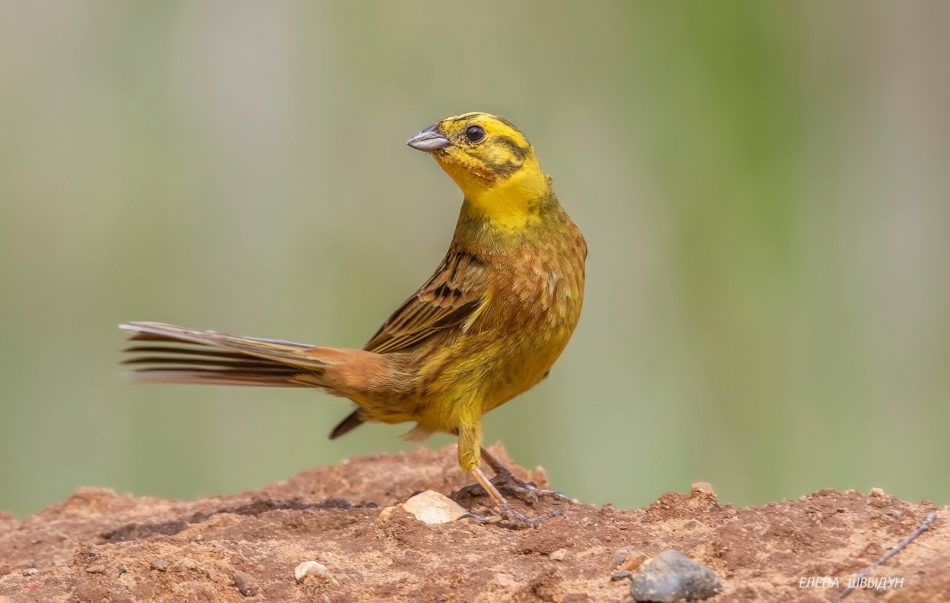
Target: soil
[(101, 546)]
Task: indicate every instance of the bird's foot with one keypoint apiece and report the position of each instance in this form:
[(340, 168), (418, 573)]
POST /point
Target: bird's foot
[(508, 484), (529, 491), (511, 518)]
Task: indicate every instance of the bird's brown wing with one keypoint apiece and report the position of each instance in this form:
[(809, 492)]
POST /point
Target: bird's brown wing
[(453, 296)]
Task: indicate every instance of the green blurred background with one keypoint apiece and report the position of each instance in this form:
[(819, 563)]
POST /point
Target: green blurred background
[(764, 188)]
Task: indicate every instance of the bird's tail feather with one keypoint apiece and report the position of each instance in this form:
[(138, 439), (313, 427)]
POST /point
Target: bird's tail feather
[(180, 355), (172, 354)]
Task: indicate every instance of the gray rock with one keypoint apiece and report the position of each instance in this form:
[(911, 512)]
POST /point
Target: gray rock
[(672, 576)]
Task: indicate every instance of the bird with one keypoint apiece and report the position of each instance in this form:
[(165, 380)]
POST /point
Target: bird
[(487, 326)]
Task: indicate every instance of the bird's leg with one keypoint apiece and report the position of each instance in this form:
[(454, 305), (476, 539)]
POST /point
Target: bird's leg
[(506, 480), (508, 513), (470, 445), (489, 488)]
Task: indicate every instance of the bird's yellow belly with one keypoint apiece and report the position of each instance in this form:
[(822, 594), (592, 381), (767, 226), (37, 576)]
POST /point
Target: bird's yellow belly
[(519, 368), (493, 371), (473, 386)]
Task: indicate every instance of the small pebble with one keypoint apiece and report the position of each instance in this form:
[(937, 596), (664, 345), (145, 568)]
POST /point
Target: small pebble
[(160, 564), (310, 568), (671, 576), (385, 513), (430, 507), (189, 564), (30, 571), (558, 555), (245, 584), (506, 581), (96, 569), (877, 493)]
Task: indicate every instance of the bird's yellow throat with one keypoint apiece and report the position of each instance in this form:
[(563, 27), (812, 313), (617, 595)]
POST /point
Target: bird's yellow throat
[(508, 203)]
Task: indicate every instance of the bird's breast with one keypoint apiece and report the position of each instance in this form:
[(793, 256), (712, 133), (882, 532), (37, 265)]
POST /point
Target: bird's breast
[(536, 304)]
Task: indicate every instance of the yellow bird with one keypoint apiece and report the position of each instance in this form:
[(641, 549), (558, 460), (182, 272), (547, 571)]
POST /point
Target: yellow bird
[(487, 326)]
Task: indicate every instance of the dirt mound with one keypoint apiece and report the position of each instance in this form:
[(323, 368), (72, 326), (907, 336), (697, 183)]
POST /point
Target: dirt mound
[(100, 546)]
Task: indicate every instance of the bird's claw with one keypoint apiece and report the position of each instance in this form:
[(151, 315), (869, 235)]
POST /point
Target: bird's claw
[(507, 483), (510, 517)]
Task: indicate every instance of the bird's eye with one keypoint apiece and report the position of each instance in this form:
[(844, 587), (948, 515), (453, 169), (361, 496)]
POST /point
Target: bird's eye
[(474, 133)]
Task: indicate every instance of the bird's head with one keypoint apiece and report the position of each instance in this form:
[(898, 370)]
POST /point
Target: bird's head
[(491, 161)]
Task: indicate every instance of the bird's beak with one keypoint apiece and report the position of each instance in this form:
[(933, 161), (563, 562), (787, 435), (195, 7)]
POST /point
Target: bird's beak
[(429, 140)]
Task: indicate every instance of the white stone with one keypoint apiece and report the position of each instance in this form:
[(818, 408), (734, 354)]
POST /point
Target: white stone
[(310, 568), (433, 508)]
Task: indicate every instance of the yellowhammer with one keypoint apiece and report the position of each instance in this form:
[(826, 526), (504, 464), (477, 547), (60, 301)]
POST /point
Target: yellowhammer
[(488, 325)]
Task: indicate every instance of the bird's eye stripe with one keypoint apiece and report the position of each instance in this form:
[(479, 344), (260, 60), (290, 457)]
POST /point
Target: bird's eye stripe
[(504, 168), (516, 149)]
